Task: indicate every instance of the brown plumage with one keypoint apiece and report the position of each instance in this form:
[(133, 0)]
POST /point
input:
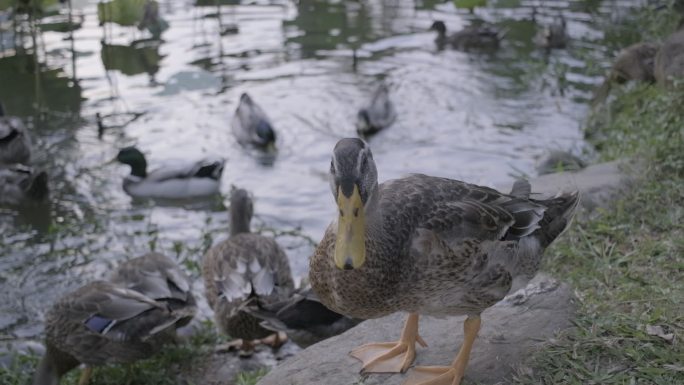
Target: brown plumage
[(433, 246), (245, 268), (669, 62), (105, 322)]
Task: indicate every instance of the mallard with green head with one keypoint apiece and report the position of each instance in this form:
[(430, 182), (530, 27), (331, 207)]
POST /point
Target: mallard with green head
[(378, 114), (193, 180), (107, 322), (241, 270), (15, 143), (21, 184), (302, 317), (251, 126), (426, 245), (484, 36)]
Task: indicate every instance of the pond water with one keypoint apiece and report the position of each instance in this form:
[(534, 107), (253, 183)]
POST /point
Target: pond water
[(479, 117)]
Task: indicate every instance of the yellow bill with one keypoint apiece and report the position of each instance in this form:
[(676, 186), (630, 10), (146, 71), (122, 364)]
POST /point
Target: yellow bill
[(350, 246)]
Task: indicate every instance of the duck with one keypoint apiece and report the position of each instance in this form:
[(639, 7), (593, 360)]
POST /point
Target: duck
[(426, 246), (105, 322), (21, 184), (15, 142), (552, 36), (251, 126), (634, 63), (669, 61), (245, 268), (483, 36), (193, 180), (378, 114), (302, 317)]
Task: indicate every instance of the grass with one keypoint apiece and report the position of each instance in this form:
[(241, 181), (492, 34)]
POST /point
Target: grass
[(626, 262)]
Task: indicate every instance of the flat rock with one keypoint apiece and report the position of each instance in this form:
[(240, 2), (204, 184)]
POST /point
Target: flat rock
[(511, 330)]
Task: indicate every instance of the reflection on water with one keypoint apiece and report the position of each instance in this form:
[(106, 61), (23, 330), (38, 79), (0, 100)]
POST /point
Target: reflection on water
[(478, 117)]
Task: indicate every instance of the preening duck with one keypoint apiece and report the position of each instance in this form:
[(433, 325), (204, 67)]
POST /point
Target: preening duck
[(22, 184), (302, 317), (245, 268), (426, 245), (195, 180), (378, 114), (251, 126), (15, 143), (104, 322)]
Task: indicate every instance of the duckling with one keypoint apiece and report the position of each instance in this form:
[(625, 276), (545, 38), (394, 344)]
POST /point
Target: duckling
[(302, 317), (669, 62), (472, 37), (378, 114), (104, 322), (552, 36), (251, 126), (199, 179), (15, 143), (245, 268), (635, 62), (21, 184)]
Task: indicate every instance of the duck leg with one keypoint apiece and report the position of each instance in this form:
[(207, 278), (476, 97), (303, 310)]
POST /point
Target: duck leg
[(85, 376), (275, 340), (391, 357), (448, 375)]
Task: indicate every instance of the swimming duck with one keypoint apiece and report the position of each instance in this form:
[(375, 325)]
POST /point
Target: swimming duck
[(251, 126), (472, 37), (669, 62), (21, 184), (552, 36), (378, 114), (15, 144), (105, 322), (302, 317), (199, 179), (426, 245), (245, 268)]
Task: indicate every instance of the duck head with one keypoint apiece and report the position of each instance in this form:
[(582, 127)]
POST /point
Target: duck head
[(241, 211), (265, 134), (134, 158), (354, 184), (438, 26)]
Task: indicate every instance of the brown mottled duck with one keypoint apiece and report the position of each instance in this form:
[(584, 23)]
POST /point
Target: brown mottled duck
[(116, 322), (245, 268), (426, 245)]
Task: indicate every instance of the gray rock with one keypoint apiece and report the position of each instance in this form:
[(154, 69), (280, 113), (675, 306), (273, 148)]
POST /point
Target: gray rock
[(511, 330)]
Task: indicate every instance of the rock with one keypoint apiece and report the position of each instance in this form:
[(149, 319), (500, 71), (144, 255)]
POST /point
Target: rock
[(511, 330)]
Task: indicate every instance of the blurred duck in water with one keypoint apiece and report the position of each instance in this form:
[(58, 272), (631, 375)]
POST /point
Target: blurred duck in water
[(116, 322), (302, 317), (15, 144), (552, 36), (251, 126), (242, 270), (483, 36), (378, 114), (21, 184), (193, 180)]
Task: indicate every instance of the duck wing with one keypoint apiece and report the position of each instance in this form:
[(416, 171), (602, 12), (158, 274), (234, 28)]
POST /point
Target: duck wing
[(207, 168), (381, 111)]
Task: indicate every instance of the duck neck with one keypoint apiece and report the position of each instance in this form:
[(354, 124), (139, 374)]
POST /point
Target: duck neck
[(53, 366), (239, 222), (139, 168)]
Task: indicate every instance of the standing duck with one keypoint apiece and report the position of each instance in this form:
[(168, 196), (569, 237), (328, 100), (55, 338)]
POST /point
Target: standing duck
[(378, 114), (303, 318), (245, 268), (15, 144), (251, 126), (22, 184), (104, 322), (426, 245), (194, 180), (483, 36)]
